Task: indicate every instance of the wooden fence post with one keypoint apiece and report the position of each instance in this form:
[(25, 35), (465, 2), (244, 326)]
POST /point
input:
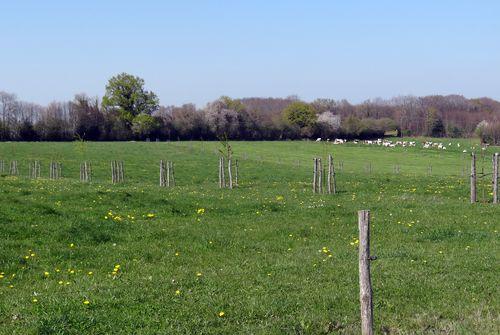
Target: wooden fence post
[(112, 172), (2, 166), (51, 170), (320, 176), (236, 173), (172, 174), (365, 285), (495, 177), (315, 172), (168, 173), (329, 176), (229, 173), (220, 172), (89, 171), (121, 172), (473, 179), (223, 173), (162, 173)]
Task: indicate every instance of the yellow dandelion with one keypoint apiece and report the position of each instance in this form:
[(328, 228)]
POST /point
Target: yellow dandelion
[(198, 274), (221, 314), (35, 300), (150, 215), (177, 292), (86, 302), (46, 274), (200, 211)]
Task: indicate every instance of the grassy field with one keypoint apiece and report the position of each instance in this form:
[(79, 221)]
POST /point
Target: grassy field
[(266, 258)]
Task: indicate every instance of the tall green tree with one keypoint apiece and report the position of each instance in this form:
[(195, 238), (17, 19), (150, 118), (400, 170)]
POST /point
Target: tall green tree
[(300, 114), (125, 93), (434, 123)]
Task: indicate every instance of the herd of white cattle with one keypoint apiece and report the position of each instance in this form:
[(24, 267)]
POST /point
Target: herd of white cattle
[(393, 144)]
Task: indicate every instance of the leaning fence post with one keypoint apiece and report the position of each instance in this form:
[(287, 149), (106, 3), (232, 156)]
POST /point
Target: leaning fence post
[(495, 178), (473, 179), (365, 285)]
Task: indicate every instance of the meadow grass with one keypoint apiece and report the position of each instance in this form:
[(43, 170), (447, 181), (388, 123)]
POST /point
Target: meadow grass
[(266, 258)]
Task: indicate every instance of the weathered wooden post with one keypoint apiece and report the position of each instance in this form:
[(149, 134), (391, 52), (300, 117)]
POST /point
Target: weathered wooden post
[(473, 180), (31, 166), (121, 172), (220, 172), (230, 173), (38, 169), (2, 166), (82, 172), (236, 173), (365, 284), (13, 171), (223, 173), (168, 173), (162, 174), (113, 172), (334, 179), (87, 171), (315, 173), (172, 176), (320, 176), (495, 177), (51, 170), (329, 176)]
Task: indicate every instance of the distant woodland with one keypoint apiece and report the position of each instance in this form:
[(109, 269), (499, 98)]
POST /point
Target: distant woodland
[(129, 112)]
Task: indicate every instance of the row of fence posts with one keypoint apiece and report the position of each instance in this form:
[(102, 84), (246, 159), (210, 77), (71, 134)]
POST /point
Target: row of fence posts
[(318, 176), (35, 169), (167, 177), (232, 178), (117, 172), (473, 178), (85, 172), (55, 170)]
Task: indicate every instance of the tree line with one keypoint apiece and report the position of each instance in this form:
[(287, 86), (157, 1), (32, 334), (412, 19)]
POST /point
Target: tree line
[(128, 111)]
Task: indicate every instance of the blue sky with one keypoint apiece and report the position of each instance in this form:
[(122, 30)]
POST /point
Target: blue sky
[(196, 51)]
